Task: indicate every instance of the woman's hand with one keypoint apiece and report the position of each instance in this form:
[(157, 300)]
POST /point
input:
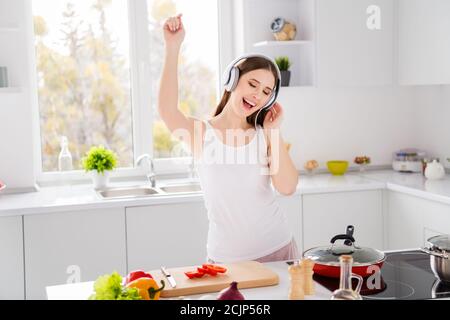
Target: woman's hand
[(274, 117), (174, 32)]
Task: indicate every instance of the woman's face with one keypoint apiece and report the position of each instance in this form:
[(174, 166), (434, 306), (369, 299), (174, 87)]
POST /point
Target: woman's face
[(252, 92)]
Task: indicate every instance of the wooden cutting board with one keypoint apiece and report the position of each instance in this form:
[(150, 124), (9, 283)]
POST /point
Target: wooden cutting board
[(248, 274)]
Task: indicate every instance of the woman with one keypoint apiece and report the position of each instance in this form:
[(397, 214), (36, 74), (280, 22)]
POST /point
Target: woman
[(245, 219)]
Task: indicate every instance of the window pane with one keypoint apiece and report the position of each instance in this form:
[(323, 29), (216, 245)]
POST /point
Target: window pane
[(82, 50), (199, 64)]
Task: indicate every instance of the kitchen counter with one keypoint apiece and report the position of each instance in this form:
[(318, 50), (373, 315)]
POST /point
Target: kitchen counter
[(414, 184), (82, 291), (83, 197)]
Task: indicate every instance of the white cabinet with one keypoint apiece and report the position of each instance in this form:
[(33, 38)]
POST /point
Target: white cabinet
[(172, 235), (328, 214), (355, 42), (252, 33), (424, 42), (73, 246), (11, 259), (412, 220), (292, 206)]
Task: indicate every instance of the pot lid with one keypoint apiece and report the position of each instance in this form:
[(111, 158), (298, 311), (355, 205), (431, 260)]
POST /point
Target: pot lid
[(330, 255), (440, 242)]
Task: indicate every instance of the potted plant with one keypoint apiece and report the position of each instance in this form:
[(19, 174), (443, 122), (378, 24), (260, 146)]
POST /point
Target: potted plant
[(284, 64), (99, 161)]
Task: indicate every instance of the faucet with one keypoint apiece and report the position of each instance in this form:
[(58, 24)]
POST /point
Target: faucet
[(151, 176)]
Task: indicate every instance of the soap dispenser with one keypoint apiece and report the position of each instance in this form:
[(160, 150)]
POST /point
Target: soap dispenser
[(65, 158)]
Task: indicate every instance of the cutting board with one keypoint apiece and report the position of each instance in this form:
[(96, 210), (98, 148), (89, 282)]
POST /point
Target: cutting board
[(248, 274)]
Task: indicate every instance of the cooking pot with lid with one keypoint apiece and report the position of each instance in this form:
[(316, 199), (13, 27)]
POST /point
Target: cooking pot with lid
[(366, 261)]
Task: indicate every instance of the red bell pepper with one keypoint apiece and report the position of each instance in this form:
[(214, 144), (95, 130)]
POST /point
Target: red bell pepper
[(215, 268), (137, 275), (194, 274)]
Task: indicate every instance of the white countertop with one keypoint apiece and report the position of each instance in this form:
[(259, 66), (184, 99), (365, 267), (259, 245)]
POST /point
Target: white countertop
[(414, 184), (82, 291), (83, 197)]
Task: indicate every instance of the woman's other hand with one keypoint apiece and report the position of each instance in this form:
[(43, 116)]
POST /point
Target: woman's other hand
[(274, 117), (174, 31)]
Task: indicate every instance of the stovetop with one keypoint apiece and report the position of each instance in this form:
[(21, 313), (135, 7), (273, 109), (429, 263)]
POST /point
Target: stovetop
[(405, 275)]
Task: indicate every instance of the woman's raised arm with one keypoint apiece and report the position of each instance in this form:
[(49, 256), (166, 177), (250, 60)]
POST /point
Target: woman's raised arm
[(168, 104)]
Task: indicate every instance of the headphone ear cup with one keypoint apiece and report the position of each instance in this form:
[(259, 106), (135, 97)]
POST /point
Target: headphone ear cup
[(234, 79)]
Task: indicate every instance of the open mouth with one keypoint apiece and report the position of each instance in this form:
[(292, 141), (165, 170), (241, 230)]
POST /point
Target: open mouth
[(247, 104)]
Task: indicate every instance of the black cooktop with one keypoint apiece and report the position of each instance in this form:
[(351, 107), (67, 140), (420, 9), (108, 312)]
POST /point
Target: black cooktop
[(405, 275)]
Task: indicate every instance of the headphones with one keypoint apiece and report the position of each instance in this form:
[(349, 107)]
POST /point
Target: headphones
[(232, 74)]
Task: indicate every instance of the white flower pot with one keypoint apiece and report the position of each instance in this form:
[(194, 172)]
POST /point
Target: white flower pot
[(100, 180)]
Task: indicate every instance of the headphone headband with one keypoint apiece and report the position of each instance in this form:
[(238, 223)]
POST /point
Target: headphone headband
[(232, 74)]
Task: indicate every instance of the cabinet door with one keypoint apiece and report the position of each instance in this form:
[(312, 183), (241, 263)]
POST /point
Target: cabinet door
[(11, 259), (292, 206), (424, 42), (326, 215), (351, 49), (172, 235), (72, 246), (404, 221), (412, 220)]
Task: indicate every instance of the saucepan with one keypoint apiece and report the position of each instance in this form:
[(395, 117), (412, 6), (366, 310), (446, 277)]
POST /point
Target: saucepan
[(366, 261), (439, 251)]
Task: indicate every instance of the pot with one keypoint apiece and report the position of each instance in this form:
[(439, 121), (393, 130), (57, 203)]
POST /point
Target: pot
[(100, 180), (439, 251), (366, 261)]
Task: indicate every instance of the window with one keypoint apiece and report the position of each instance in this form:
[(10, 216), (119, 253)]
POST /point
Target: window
[(199, 64), (99, 69), (83, 64)]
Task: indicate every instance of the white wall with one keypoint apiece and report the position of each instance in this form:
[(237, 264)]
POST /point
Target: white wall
[(433, 125), (322, 124), (16, 133), (342, 123)]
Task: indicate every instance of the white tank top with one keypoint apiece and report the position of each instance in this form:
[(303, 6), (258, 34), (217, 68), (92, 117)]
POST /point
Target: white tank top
[(245, 219)]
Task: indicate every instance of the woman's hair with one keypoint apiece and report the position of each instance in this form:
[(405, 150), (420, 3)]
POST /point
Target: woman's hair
[(248, 65)]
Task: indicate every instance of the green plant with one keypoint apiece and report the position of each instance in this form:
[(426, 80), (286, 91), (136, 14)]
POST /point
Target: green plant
[(283, 63), (100, 159)]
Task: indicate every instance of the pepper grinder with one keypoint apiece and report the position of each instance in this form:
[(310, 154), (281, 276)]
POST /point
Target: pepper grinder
[(296, 276), (308, 282)]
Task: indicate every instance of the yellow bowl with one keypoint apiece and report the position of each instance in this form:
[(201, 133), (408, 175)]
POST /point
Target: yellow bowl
[(337, 168)]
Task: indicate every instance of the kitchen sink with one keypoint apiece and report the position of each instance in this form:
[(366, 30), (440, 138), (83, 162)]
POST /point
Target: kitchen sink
[(183, 188), (146, 191), (128, 192)]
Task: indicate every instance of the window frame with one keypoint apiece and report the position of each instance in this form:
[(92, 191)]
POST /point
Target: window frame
[(142, 115)]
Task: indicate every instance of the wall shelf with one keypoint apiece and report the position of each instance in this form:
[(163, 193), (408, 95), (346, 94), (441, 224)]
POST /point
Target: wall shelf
[(253, 19), (281, 43)]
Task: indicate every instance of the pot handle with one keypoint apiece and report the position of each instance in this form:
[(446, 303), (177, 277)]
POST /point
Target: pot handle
[(343, 237), (360, 282), (350, 231), (442, 255)]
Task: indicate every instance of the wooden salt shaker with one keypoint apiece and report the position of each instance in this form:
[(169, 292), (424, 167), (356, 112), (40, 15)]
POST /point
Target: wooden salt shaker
[(307, 266), (296, 276)]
